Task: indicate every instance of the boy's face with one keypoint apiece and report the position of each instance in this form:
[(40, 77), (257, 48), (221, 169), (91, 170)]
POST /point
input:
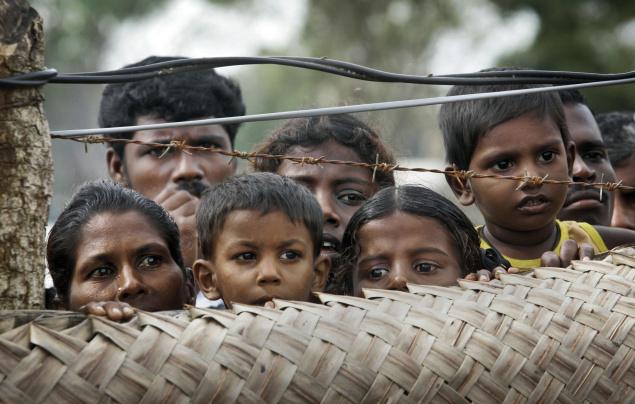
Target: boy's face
[(257, 258), (524, 145), (150, 170), (591, 164), (340, 190)]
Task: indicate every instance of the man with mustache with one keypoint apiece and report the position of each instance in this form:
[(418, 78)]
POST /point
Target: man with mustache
[(172, 177), (618, 131), (591, 164)]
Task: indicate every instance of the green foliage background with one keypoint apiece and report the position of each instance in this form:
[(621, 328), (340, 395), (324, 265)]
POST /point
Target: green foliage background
[(394, 35)]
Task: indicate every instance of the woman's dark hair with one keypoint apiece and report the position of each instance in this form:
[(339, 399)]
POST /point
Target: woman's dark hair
[(314, 131), (90, 200), (415, 200)]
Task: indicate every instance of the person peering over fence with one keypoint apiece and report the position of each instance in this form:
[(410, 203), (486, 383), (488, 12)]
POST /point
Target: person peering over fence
[(172, 177), (112, 250)]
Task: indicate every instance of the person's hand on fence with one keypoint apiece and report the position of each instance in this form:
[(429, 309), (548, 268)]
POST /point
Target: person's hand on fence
[(115, 311), (485, 275), (569, 251)]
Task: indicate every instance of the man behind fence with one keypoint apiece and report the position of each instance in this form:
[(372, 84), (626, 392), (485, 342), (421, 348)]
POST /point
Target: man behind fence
[(173, 177)]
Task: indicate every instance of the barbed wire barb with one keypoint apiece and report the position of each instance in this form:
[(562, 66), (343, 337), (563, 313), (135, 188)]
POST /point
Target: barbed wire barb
[(461, 175)]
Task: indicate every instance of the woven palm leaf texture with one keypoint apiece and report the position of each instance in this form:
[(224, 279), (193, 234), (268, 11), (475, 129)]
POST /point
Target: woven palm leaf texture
[(563, 335)]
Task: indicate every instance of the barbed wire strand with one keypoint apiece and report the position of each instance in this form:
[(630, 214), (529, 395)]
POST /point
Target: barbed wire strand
[(347, 109), (461, 175)]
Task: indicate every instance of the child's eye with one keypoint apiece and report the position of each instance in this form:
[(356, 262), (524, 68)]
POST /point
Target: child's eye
[(546, 156), (246, 256), (377, 273), (289, 255), (425, 267), (351, 197), (101, 273), (502, 165), (150, 261)]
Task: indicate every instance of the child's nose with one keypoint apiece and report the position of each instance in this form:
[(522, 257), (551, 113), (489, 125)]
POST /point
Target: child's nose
[(398, 279), (327, 203), (268, 272)]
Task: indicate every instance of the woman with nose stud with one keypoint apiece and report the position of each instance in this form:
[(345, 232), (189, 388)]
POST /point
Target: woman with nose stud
[(113, 250)]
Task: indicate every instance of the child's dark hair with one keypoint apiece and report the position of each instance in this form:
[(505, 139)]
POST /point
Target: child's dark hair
[(91, 199), (265, 192), (314, 131), (463, 123), (174, 97), (572, 96), (618, 132), (420, 201)]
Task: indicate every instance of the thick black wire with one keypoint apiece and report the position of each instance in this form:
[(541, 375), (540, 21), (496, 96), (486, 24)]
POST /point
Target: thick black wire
[(320, 64)]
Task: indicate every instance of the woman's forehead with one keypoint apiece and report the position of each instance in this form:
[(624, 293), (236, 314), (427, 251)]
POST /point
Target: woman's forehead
[(330, 149), (331, 172), (117, 229)]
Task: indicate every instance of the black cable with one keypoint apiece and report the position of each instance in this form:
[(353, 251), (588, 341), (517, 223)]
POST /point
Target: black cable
[(325, 65), (37, 78), (172, 67)]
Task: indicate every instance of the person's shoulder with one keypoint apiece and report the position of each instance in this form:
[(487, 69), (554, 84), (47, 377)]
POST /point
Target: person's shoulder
[(614, 236)]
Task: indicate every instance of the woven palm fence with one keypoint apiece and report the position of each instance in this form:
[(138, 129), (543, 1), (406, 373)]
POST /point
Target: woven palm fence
[(564, 335)]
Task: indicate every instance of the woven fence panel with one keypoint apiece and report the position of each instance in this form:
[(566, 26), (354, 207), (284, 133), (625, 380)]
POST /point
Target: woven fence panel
[(562, 335)]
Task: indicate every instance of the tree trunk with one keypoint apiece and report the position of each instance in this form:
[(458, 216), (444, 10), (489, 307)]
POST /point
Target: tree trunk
[(25, 161)]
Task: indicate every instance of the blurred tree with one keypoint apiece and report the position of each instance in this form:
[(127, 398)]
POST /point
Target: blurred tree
[(76, 30), (584, 35), (393, 35)]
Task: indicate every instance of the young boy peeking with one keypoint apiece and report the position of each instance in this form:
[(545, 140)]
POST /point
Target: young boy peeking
[(339, 189), (518, 136), (260, 237)]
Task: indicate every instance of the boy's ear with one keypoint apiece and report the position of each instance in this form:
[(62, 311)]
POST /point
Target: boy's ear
[(461, 188), (322, 267), (205, 279), (570, 156), (115, 166), (189, 289)]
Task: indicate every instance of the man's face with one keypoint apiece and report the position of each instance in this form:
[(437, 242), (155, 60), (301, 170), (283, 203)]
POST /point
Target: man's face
[(624, 201), (591, 164), (150, 170)]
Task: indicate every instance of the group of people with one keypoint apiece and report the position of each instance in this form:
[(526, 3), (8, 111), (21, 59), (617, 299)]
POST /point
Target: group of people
[(177, 226)]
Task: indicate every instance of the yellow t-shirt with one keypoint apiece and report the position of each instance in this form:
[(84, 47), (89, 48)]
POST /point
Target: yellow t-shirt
[(579, 231)]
